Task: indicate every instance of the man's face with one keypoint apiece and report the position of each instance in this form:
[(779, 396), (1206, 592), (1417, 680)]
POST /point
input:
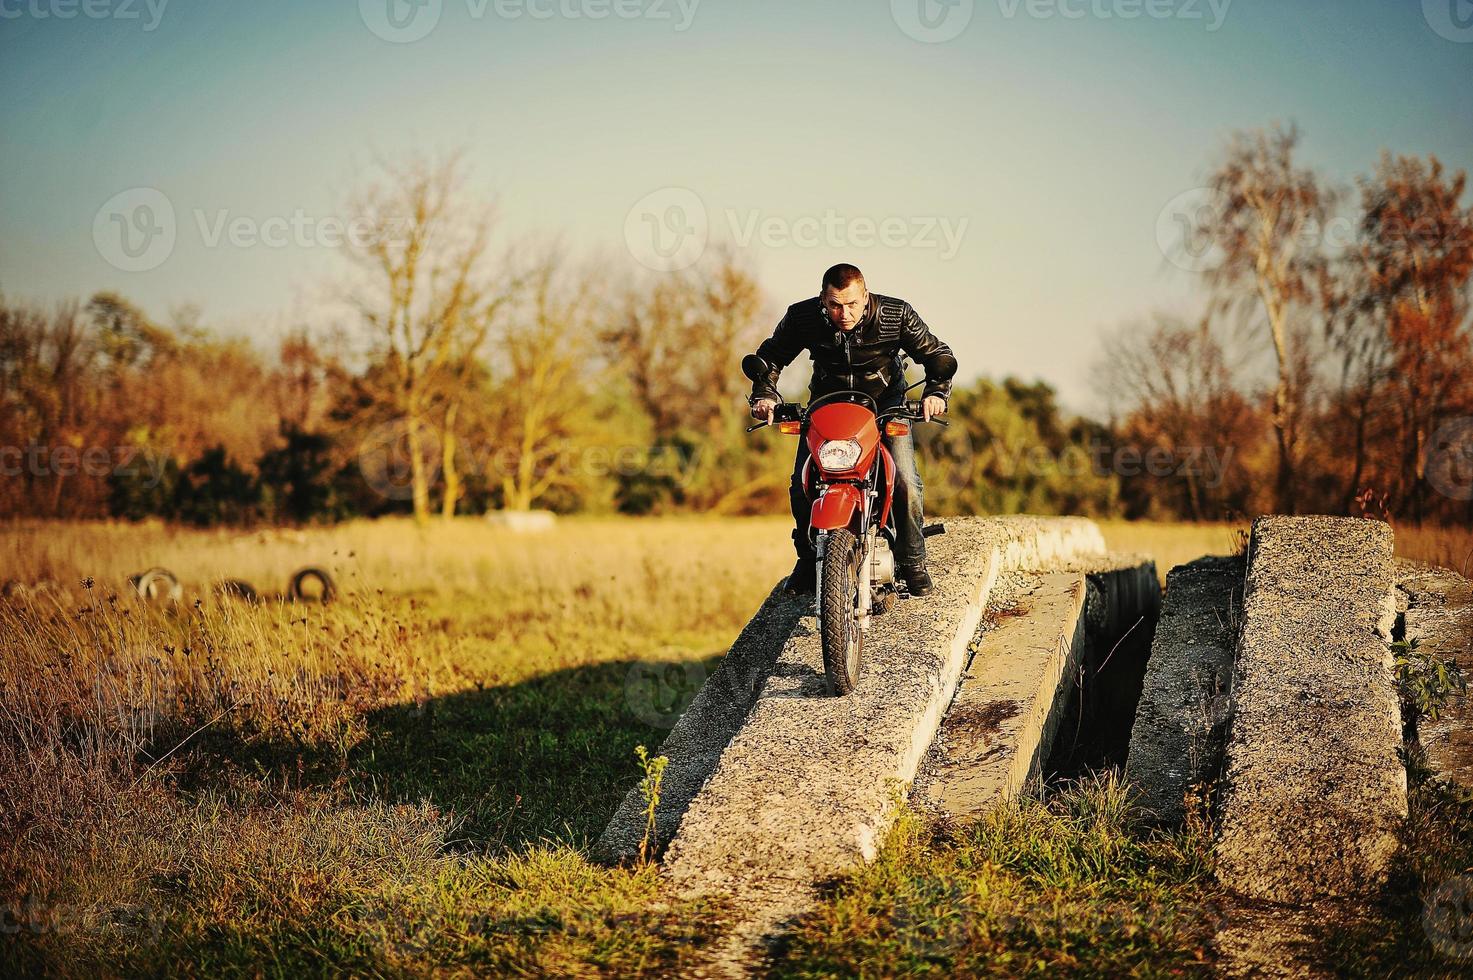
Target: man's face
[(845, 307)]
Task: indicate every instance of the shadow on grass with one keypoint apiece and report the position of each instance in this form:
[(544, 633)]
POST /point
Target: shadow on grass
[(546, 759)]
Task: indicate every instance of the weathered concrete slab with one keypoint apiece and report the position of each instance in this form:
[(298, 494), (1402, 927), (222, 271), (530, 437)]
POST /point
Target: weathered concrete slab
[(1439, 617), (1001, 726), (1181, 720), (806, 788), (696, 741), (1313, 788)]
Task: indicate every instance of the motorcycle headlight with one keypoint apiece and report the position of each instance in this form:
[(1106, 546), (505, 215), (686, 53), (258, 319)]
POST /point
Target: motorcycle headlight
[(839, 454)]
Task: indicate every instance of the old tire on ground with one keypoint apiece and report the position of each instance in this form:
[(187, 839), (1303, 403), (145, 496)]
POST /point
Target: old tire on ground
[(329, 590), (157, 583), (843, 643), (235, 588)]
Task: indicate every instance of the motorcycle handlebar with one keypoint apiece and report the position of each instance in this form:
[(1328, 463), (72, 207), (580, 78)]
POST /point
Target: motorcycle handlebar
[(792, 412)]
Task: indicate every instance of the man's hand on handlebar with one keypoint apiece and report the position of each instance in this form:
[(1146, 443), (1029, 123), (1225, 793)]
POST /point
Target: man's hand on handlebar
[(763, 408), (933, 405)]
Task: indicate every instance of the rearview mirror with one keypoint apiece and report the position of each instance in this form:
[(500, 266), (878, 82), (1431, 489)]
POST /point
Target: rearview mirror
[(755, 368)]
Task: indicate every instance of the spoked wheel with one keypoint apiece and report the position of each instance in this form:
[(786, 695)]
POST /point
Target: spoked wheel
[(838, 621)]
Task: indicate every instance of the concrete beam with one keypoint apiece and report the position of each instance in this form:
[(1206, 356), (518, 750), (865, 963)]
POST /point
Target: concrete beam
[(1439, 618), (1313, 788), (698, 738), (806, 786), (1001, 726), (1181, 720)]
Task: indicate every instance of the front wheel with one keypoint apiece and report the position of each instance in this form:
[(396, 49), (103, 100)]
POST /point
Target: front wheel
[(838, 619)]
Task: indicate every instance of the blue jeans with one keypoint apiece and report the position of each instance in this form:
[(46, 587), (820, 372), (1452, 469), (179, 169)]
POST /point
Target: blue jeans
[(905, 507)]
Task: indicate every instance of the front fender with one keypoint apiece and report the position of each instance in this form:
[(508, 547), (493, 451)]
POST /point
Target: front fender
[(835, 508)]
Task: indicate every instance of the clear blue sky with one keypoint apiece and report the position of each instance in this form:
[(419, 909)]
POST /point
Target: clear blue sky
[(1057, 130)]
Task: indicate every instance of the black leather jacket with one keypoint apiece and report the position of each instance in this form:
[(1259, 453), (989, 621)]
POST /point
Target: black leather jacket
[(867, 358)]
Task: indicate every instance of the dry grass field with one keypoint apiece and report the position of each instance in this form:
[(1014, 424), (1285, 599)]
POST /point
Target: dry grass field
[(405, 781)]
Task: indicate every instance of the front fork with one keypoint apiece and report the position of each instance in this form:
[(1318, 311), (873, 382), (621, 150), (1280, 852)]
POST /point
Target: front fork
[(864, 593)]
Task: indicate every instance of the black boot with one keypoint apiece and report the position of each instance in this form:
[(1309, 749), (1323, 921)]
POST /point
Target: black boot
[(917, 581), (803, 578)]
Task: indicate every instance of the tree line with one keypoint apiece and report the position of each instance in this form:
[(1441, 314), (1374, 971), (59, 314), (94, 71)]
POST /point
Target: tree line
[(1334, 359), (1329, 373)]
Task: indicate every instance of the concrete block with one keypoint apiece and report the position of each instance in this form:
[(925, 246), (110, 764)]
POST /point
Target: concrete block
[(1181, 720), (696, 741), (1313, 789), (1001, 726), (1439, 617), (806, 786)]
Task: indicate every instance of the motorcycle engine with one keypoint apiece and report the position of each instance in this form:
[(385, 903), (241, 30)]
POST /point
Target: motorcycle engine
[(882, 562)]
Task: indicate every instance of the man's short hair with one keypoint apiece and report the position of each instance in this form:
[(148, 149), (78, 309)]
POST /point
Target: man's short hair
[(842, 276)]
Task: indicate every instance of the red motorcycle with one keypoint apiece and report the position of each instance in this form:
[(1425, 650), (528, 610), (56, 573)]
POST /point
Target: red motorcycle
[(850, 478)]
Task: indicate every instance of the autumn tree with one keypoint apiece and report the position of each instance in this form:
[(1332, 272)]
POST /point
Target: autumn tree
[(1414, 259), (540, 395), (678, 339), (1171, 388), (427, 291), (1267, 222)]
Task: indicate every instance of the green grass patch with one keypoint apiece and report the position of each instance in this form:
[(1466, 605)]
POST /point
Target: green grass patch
[(1064, 883)]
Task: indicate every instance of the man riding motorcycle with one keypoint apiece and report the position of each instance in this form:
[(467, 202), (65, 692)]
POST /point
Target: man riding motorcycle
[(855, 339)]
